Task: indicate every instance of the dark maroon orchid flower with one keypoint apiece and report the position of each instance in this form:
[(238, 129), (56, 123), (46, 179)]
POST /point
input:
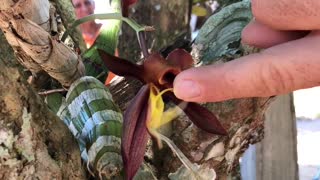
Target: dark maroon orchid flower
[(125, 6), (145, 112)]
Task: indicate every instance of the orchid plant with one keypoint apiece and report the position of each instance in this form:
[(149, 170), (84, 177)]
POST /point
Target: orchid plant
[(146, 113)]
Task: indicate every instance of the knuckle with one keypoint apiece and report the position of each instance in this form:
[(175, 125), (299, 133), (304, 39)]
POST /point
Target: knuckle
[(277, 78)]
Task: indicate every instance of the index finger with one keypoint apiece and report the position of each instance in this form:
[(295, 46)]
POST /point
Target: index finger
[(288, 14), (276, 70)]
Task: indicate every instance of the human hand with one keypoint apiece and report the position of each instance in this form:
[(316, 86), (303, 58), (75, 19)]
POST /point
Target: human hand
[(290, 30)]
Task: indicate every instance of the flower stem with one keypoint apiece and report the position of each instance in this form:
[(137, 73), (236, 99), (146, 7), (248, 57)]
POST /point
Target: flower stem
[(185, 161)]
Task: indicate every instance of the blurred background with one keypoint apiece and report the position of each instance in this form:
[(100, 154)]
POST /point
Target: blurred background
[(307, 106)]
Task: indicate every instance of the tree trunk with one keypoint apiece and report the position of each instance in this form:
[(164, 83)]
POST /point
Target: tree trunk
[(35, 144), (275, 157), (27, 25), (277, 152)]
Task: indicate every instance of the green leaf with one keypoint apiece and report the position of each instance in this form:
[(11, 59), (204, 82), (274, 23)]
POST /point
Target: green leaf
[(107, 40)]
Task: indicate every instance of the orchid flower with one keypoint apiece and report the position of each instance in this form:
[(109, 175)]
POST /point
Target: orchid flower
[(125, 6), (145, 114)]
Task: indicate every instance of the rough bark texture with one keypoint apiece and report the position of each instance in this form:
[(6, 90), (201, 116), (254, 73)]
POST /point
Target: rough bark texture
[(6, 52), (169, 18), (244, 122), (35, 144), (66, 11), (26, 25)]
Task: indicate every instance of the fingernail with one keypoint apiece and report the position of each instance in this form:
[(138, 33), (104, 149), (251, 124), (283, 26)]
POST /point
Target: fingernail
[(187, 89)]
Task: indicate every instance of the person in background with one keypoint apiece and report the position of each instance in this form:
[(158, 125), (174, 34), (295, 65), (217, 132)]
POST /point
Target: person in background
[(90, 30), (290, 32)]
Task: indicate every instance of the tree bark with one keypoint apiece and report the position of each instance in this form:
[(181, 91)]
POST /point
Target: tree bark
[(66, 10), (26, 25), (34, 142)]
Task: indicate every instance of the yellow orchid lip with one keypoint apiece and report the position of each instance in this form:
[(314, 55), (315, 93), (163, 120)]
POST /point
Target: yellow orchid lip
[(156, 116)]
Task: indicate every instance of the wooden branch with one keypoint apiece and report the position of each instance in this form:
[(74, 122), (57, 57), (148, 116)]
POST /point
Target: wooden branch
[(34, 46), (45, 93), (66, 11)]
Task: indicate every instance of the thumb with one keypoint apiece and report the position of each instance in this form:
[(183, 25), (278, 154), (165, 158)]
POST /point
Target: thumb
[(280, 69)]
